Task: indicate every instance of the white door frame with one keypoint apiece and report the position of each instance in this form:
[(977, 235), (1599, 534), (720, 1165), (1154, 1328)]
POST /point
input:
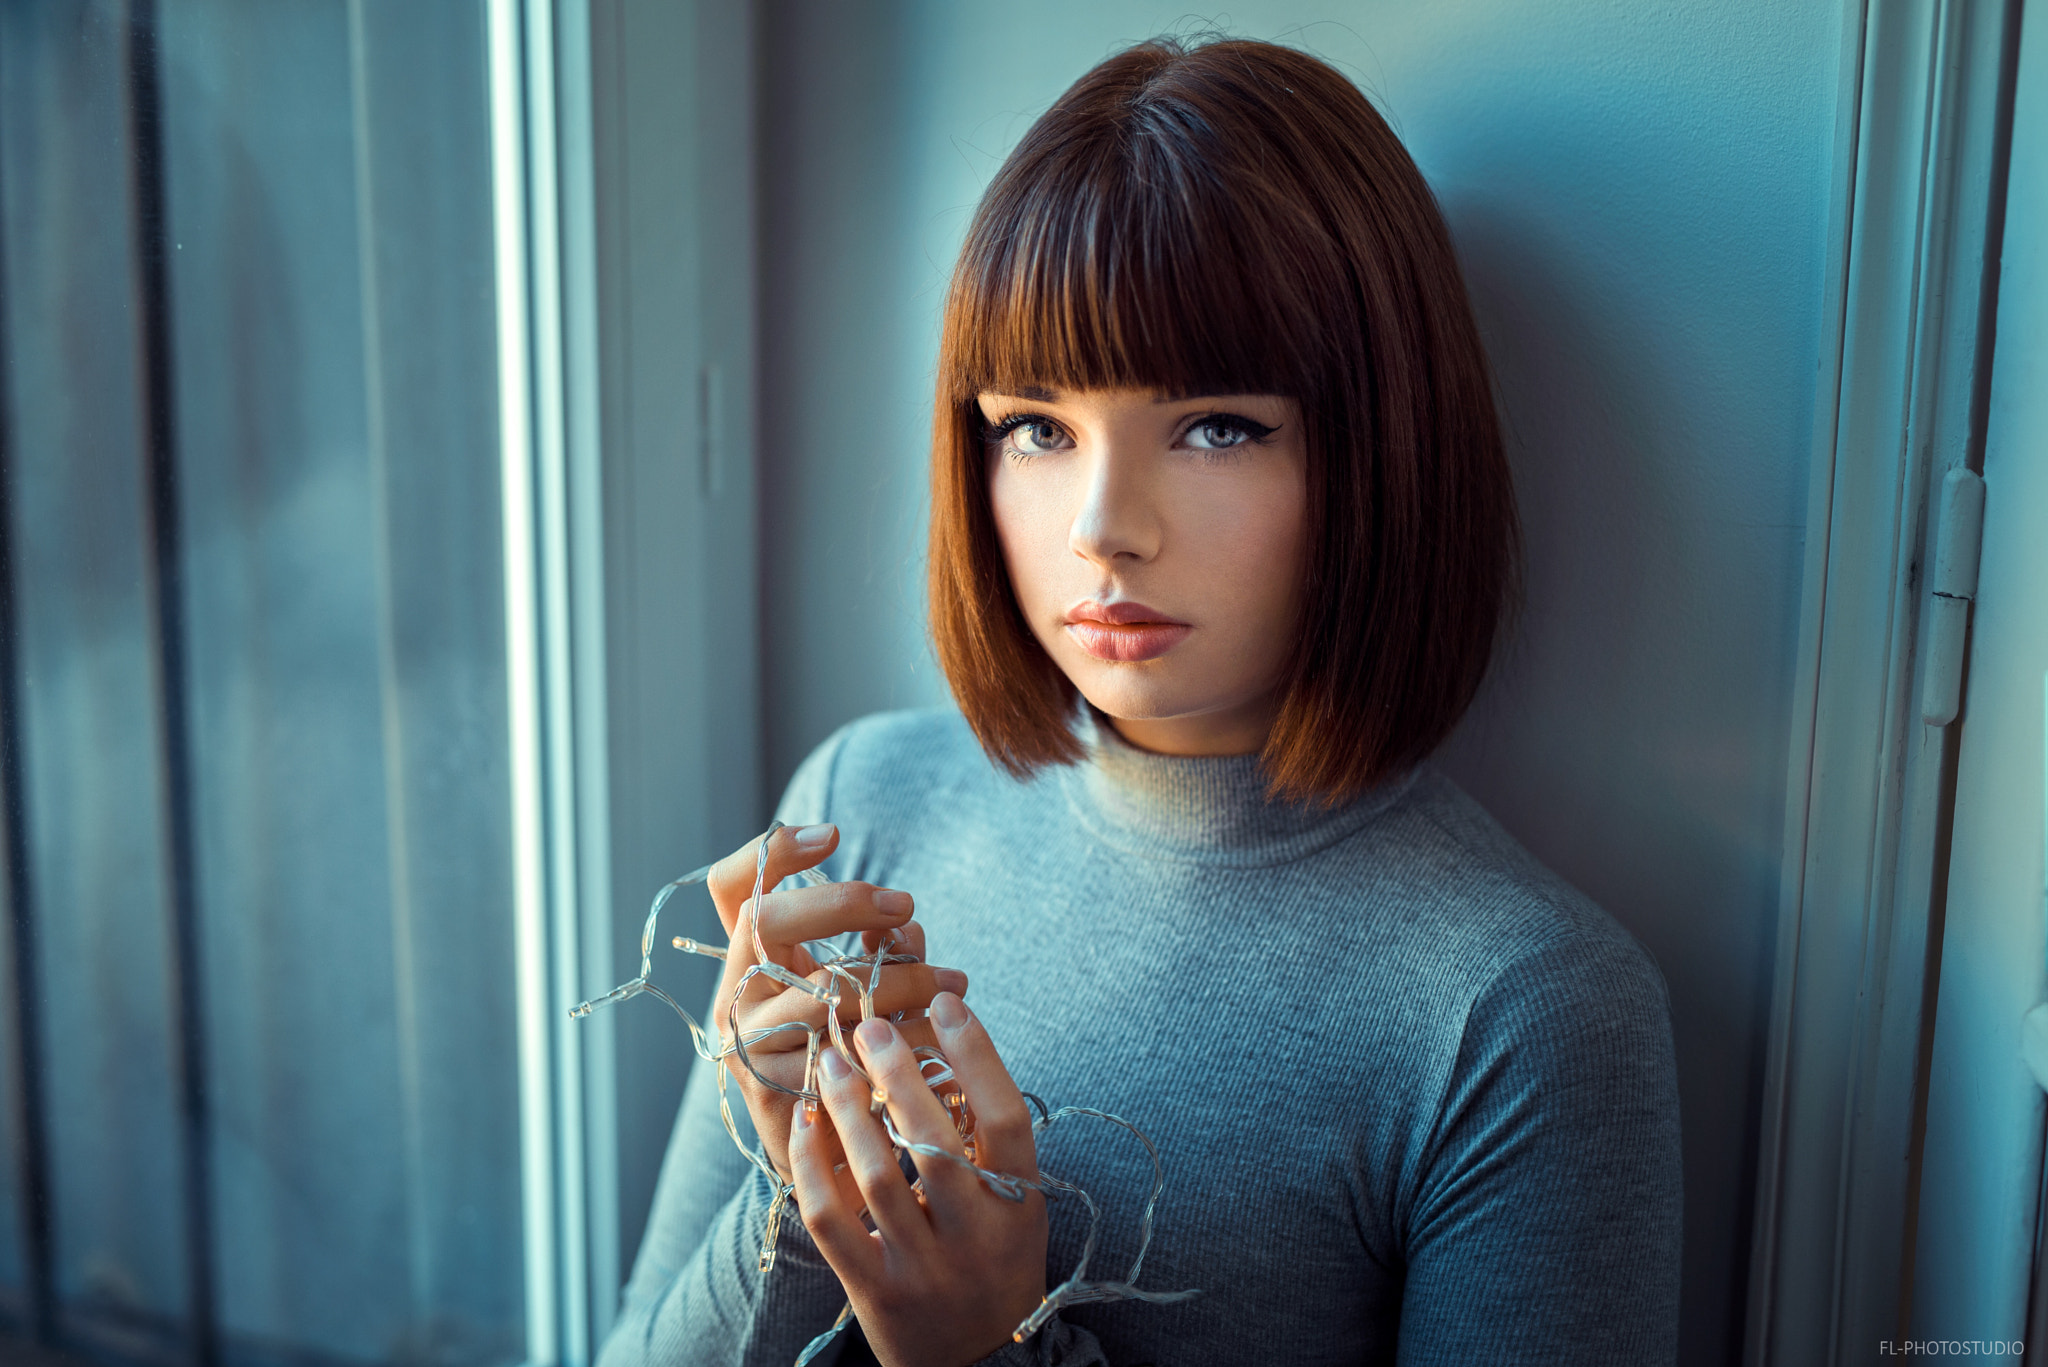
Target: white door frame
[(1918, 147), (1981, 1168)]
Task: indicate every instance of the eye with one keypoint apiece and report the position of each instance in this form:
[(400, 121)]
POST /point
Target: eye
[(1222, 431), (1029, 434)]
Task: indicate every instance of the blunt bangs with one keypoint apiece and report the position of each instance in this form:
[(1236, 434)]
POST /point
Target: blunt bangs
[(1236, 218), (1129, 263)]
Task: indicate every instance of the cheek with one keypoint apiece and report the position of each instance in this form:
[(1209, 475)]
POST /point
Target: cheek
[(1025, 527), (1256, 543)]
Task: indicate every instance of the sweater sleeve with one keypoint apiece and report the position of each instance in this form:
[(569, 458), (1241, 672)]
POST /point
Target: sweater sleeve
[(697, 1294), (1545, 1225), (1058, 1344)]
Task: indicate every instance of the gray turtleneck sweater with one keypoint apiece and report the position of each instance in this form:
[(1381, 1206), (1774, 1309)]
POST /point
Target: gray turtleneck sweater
[(1415, 1094)]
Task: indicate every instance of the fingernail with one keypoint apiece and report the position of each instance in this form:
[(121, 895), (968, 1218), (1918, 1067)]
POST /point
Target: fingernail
[(833, 1065), (951, 980), (890, 902), (948, 1011), (875, 1034), (803, 1115), (814, 836)]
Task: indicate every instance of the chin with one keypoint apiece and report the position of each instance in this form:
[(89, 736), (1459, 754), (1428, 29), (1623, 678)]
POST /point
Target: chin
[(1132, 700)]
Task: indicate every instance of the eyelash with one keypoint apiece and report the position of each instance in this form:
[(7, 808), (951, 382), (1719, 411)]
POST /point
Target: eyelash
[(1255, 433)]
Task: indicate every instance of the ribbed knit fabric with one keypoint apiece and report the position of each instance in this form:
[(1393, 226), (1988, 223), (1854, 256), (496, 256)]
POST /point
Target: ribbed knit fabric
[(1415, 1094)]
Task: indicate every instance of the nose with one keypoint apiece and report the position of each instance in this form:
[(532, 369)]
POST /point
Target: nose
[(1118, 520)]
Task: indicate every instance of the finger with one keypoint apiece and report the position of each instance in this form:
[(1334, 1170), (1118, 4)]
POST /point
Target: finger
[(790, 850), (741, 982), (790, 918), (787, 919), (920, 1117), (799, 914), (901, 987), (769, 1061), (1003, 1141), (907, 938), (917, 1033), (869, 1155), (822, 1199), (835, 1158), (773, 1019)]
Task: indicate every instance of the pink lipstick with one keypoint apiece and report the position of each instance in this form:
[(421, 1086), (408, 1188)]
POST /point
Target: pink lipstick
[(1124, 631)]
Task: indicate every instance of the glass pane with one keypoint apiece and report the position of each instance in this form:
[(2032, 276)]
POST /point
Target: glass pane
[(331, 349)]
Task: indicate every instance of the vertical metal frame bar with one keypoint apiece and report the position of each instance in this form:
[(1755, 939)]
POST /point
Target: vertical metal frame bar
[(2036, 1352), (167, 605), (522, 650), (557, 682), (554, 606), (595, 1108), (33, 1174)]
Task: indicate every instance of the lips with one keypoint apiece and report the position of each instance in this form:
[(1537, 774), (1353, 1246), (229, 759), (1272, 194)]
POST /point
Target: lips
[(1124, 632)]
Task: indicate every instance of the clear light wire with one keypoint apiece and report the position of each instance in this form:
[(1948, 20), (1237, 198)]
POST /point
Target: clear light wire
[(842, 965)]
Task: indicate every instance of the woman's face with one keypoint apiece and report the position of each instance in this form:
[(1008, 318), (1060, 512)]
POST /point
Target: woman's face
[(1156, 547)]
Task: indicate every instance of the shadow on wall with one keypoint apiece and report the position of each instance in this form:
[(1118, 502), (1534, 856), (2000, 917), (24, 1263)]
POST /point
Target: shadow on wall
[(848, 337), (1605, 686)]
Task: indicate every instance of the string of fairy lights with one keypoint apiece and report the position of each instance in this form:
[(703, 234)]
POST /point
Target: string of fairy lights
[(846, 965)]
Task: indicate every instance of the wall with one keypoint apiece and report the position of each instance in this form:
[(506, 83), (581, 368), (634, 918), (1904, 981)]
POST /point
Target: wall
[(675, 234), (1640, 196)]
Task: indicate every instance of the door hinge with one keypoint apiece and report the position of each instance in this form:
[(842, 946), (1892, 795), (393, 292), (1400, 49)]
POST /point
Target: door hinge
[(2034, 1043), (1961, 540)]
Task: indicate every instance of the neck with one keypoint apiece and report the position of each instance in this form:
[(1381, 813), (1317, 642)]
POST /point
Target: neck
[(1210, 809), (1238, 730)]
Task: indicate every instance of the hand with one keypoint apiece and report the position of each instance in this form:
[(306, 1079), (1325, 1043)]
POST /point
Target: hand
[(787, 919), (942, 1281)]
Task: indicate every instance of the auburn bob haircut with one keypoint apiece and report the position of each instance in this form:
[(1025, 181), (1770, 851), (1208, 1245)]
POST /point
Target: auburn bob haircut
[(1234, 217)]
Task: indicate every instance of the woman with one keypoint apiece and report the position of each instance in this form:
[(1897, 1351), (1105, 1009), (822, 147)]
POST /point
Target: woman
[(1222, 535)]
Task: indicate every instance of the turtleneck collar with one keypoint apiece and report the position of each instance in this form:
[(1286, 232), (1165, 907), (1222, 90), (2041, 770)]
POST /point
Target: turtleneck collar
[(1204, 809)]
